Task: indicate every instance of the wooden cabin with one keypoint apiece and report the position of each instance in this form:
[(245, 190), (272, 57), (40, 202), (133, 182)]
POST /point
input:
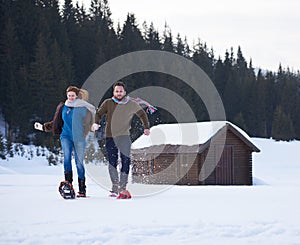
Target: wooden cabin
[(202, 153)]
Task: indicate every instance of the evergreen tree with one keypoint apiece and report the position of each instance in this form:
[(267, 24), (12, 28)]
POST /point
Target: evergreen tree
[(246, 81), (231, 98), (152, 38), (70, 18), (24, 108), (80, 14), (187, 51), (179, 48), (261, 104), (62, 71), (131, 36), (10, 59), (68, 15), (3, 6), (2, 147), (106, 43), (219, 77), (42, 51), (49, 11), (9, 148), (283, 128), (101, 14), (240, 121), (270, 101), (204, 59), (26, 16), (168, 44), (43, 87)]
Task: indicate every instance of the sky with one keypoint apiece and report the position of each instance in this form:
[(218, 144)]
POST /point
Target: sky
[(267, 31)]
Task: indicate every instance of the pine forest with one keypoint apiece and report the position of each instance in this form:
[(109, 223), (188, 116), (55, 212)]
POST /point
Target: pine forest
[(45, 47)]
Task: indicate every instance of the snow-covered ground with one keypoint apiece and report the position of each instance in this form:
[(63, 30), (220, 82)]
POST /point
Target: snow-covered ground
[(32, 212)]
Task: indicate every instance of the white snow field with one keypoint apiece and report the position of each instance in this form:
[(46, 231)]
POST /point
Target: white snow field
[(32, 211)]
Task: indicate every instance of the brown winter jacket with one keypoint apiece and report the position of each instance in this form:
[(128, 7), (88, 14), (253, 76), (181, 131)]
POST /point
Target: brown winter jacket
[(119, 116), (55, 126)]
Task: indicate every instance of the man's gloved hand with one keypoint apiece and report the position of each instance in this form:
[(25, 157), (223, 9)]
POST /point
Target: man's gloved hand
[(95, 127)]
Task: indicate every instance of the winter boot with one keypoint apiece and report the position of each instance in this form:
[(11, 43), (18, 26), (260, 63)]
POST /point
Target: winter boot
[(82, 188), (114, 177), (69, 177), (114, 190), (113, 174), (123, 181), (123, 193)]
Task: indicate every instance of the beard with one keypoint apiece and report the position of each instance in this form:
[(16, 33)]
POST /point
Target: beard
[(120, 97)]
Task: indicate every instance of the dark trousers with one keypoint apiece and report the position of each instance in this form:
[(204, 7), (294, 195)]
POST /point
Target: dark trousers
[(114, 146)]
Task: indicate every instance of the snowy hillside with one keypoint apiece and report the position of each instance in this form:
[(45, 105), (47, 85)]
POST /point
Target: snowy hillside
[(32, 212)]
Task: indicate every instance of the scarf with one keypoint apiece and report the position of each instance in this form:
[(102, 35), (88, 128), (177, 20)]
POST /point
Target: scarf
[(150, 108), (81, 103)]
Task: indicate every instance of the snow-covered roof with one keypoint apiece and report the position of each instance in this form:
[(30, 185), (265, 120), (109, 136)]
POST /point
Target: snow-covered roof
[(183, 134)]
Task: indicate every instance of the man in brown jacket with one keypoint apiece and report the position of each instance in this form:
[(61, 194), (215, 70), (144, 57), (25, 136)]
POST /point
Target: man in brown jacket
[(119, 111)]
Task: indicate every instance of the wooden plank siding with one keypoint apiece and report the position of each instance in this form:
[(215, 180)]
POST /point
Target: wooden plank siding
[(242, 162), (232, 166), (166, 169), (189, 166)]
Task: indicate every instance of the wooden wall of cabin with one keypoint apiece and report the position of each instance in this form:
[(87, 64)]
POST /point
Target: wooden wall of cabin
[(171, 168), (168, 169), (242, 162)]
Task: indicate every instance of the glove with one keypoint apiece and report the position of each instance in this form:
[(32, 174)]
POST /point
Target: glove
[(95, 127), (38, 126)]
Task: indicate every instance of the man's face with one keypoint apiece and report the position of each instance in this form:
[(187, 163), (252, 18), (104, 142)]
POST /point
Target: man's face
[(119, 92)]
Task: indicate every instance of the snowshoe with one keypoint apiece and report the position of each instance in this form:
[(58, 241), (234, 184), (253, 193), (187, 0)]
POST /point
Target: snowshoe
[(124, 195), (66, 190)]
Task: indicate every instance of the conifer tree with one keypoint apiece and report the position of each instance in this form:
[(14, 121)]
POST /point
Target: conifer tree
[(61, 68), (179, 48), (245, 81), (231, 93), (2, 147), (43, 87), (283, 128), (260, 104), (105, 38), (187, 51), (26, 16), (219, 78), (168, 44), (10, 59), (131, 36), (204, 58), (239, 120), (3, 7), (270, 100), (42, 51), (152, 38)]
